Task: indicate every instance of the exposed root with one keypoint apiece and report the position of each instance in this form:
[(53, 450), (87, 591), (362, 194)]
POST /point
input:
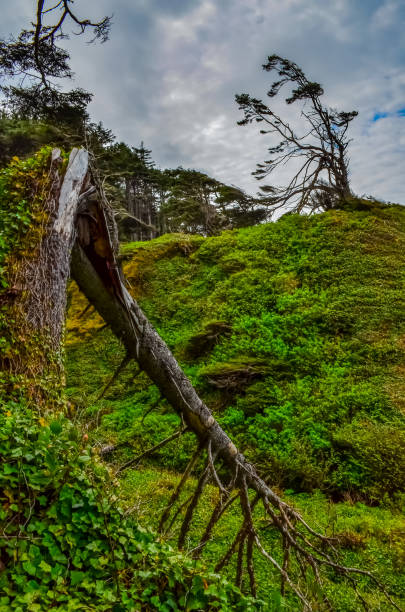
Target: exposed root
[(311, 550), (223, 562), (177, 491), (302, 554), (239, 562), (85, 310), (185, 526), (250, 564), (218, 511)]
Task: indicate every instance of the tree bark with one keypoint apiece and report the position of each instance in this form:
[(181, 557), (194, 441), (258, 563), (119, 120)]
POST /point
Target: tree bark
[(37, 303), (42, 278), (312, 549)]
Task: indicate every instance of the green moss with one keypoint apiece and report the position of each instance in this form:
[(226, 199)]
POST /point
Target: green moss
[(312, 310), (369, 537), (65, 544), (24, 214)]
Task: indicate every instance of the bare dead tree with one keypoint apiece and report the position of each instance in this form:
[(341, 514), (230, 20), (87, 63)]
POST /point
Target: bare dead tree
[(304, 556), (319, 149)]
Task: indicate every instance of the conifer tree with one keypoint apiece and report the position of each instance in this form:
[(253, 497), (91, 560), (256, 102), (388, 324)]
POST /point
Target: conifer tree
[(319, 146)]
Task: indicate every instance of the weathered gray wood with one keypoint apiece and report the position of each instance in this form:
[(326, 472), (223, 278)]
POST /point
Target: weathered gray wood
[(44, 276), (38, 275), (104, 288), (130, 325), (39, 298), (70, 191)]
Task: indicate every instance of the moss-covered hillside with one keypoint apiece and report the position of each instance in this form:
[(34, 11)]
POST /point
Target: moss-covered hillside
[(293, 332)]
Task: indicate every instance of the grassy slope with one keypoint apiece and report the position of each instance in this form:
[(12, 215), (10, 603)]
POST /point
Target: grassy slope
[(294, 333)]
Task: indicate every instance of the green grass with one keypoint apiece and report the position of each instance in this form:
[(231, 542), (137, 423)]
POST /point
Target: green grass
[(65, 544), (370, 538)]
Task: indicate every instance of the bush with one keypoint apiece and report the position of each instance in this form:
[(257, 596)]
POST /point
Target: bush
[(371, 460)]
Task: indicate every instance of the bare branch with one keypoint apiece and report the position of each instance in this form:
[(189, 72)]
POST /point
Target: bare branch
[(309, 548), (151, 450), (125, 361), (179, 487)]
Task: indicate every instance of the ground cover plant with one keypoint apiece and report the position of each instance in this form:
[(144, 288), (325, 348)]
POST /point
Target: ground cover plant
[(70, 532), (293, 334), (67, 545), (284, 330)]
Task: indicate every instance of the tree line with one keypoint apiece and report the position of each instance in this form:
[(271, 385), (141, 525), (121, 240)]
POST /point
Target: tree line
[(149, 201), (35, 111)]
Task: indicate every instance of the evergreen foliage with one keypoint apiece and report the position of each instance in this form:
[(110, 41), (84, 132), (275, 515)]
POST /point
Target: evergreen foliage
[(292, 332), (35, 56), (147, 201)]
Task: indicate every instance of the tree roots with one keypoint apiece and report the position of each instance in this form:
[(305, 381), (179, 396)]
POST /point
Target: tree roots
[(301, 556)]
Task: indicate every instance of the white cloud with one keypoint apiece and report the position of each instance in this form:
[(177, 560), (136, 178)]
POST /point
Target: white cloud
[(170, 71), (378, 159), (386, 15)]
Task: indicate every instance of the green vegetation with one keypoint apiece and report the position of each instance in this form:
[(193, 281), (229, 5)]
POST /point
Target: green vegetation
[(68, 546), (369, 537), (24, 186), (65, 543), (320, 180), (293, 333)]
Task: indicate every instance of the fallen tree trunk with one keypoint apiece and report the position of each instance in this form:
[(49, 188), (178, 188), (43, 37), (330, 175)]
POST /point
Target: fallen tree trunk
[(143, 343), (63, 542), (73, 211), (97, 274)]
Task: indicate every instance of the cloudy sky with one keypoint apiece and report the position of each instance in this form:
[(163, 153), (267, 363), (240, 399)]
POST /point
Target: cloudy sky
[(170, 70)]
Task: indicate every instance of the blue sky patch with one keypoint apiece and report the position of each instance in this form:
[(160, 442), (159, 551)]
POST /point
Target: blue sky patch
[(378, 116), (381, 115)]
